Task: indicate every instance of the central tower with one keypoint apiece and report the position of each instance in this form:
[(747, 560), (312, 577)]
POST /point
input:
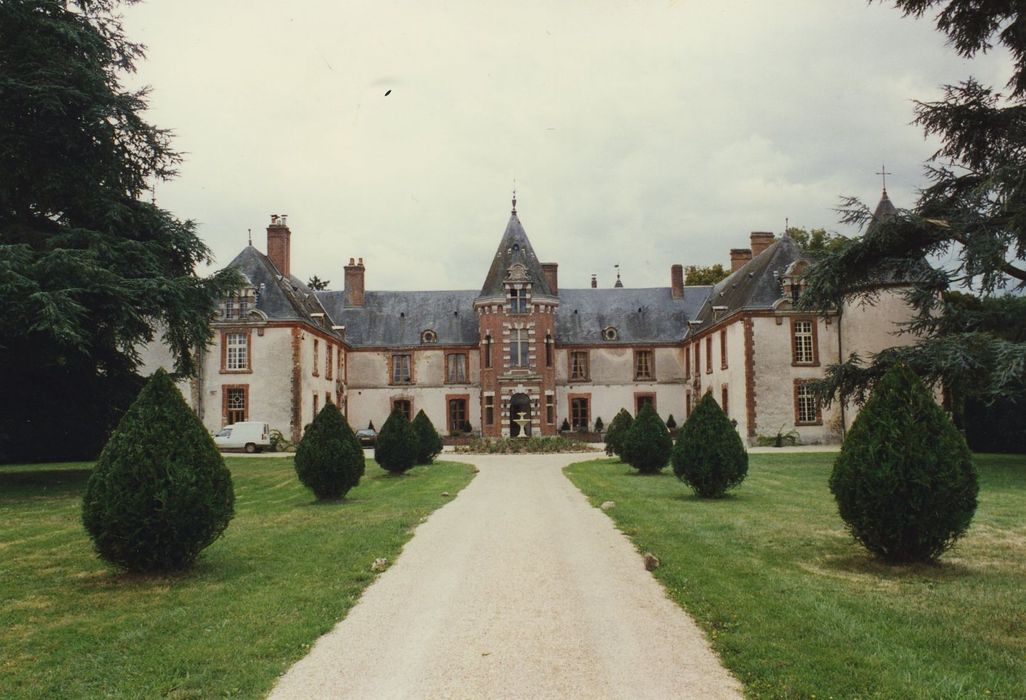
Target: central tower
[(517, 318)]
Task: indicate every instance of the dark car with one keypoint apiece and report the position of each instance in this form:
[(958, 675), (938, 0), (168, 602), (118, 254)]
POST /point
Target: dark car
[(367, 436)]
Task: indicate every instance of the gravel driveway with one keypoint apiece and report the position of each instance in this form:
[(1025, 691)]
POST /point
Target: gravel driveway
[(516, 589)]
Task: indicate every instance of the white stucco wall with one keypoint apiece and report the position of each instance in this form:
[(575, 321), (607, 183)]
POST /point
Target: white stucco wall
[(732, 377)]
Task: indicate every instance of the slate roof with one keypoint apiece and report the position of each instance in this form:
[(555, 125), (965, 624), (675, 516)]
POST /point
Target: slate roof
[(885, 209), (639, 315), (514, 248), (755, 285), (397, 319), (281, 299)]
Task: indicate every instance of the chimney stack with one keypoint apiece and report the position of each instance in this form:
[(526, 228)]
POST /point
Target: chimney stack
[(738, 258), (677, 281), (551, 276), (761, 240), (594, 281), (354, 283), (279, 243)]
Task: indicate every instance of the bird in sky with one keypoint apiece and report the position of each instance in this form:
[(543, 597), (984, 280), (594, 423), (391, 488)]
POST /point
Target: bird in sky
[(388, 93)]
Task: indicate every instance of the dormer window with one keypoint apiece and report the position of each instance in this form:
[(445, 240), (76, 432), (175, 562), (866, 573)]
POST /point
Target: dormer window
[(610, 333), (237, 305), (428, 336), (517, 301)]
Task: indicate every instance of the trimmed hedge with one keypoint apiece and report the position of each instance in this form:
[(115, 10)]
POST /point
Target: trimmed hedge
[(429, 442), (647, 444), (904, 481), (160, 492), (709, 455), (397, 444), (329, 460), (617, 431)]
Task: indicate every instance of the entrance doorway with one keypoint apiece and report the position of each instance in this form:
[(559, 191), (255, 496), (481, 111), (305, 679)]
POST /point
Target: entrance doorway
[(519, 404)]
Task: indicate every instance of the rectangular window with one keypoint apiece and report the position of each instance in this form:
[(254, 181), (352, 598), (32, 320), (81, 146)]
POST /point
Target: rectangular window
[(456, 369), (489, 410), (687, 363), (518, 348), (401, 369), (687, 405), (457, 415), (327, 398), (802, 342), (404, 405), (548, 350), (317, 357), (235, 404), (708, 354), (579, 366), (642, 400), (806, 405), (236, 351), (316, 404), (488, 352), (723, 349), (698, 357), (518, 301), (579, 411), (550, 409), (643, 365), (236, 306), (723, 400), (328, 366)]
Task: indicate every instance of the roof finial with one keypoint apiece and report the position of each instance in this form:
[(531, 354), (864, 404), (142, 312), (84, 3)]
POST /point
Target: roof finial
[(787, 227), (514, 195), (618, 282), (883, 173), (249, 231)]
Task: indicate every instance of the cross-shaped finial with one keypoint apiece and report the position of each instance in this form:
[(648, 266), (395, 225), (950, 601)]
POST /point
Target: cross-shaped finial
[(883, 173), (514, 195)]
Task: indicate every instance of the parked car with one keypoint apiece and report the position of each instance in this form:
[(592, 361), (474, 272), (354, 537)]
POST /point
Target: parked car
[(367, 437), (251, 436)]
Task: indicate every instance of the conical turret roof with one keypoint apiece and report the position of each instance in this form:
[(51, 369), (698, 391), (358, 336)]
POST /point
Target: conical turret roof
[(884, 210), (514, 248)]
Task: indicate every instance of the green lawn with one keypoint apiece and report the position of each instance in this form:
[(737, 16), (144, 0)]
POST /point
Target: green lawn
[(285, 571), (796, 609)]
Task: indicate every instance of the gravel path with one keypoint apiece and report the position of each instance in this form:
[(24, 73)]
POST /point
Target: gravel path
[(516, 589)]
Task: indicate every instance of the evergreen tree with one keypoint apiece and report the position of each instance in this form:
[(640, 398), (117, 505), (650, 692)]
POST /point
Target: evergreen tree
[(397, 444), (88, 269), (709, 455), (160, 492), (971, 215), (599, 425), (904, 481), (329, 460), (429, 442), (617, 431), (671, 422), (647, 444)]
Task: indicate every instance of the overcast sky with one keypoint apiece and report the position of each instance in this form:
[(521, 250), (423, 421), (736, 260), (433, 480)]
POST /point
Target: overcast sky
[(641, 133)]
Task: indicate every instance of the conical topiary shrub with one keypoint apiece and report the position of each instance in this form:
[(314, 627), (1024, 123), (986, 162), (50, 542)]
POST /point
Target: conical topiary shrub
[(429, 442), (904, 481), (617, 431), (709, 455), (160, 491), (599, 425), (671, 423), (647, 445), (329, 460), (397, 444)]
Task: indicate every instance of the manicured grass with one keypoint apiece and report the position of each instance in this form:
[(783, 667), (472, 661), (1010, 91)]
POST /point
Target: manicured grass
[(797, 609), (285, 572)]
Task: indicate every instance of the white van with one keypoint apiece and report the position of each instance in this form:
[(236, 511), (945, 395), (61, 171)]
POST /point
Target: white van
[(249, 436)]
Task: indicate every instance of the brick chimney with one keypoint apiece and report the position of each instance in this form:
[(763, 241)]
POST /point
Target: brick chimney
[(551, 276), (738, 257), (594, 281), (278, 243), (761, 240), (677, 281), (354, 283)]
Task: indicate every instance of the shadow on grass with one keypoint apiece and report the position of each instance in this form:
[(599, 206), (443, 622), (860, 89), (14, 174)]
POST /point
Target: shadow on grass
[(40, 482), (862, 562)]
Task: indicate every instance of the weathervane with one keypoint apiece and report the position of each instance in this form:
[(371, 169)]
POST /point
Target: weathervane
[(514, 195), (883, 173)]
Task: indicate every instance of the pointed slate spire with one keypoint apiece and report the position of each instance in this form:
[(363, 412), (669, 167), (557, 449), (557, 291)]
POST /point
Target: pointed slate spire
[(514, 248), (885, 209)]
